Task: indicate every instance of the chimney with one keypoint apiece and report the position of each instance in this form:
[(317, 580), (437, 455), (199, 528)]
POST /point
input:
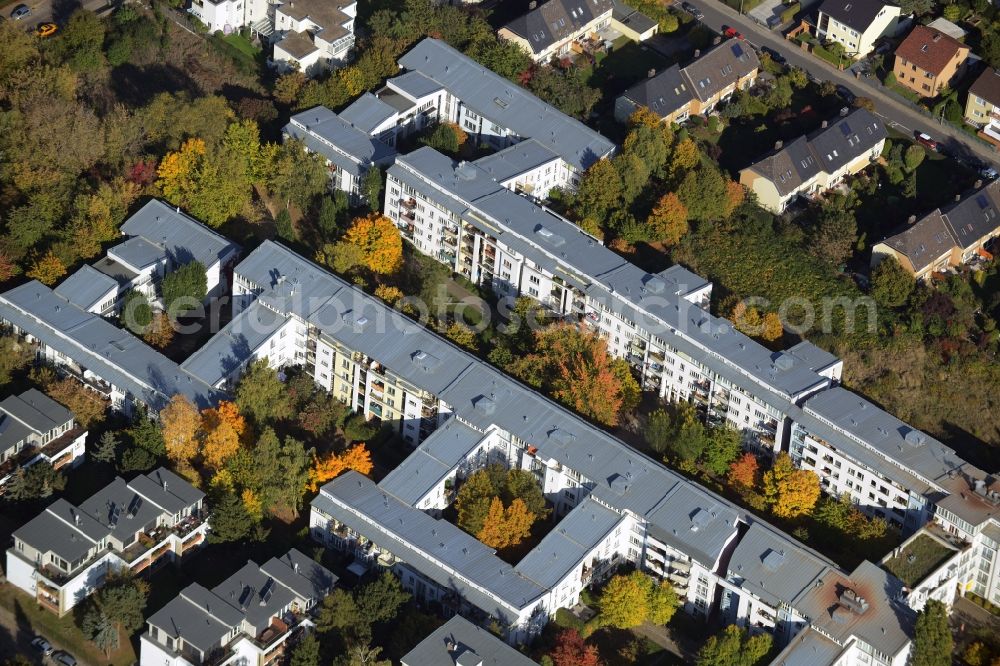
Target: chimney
[(295, 567), (697, 53), (958, 197), (911, 219), (532, 5), (651, 73), (778, 144), (716, 41), (824, 124), (979, 183), (843, 111)]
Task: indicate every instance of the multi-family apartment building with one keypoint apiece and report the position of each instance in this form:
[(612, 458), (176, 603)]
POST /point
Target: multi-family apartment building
[(677, 93), (457, 213), (253, 617), (559, 28), (459, 642), (982, 107), (856, 24), (313, 35), (928, 61), (350, 153), (951, 236), (160, 239), (66, 552), (35, 428), (817, 162), (442, 84)]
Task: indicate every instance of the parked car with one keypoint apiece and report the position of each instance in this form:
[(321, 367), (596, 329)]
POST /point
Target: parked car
[(692, 10), (774, 55), (41, 645), (63, 658), (20, 12), (926, 141), (46, 29), (988, 172), (845, 94), (732, 33)]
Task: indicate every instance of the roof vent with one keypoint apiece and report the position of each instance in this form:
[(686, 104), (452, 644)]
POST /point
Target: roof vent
[(773, 559), (915, 437), (564, 437), (655, 284), (853, 602), (425, 360), (465, 170), (700, 519), (784, 362), (551, 237), (484, 404)]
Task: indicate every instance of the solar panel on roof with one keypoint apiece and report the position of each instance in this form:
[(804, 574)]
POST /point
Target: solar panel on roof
[(845, 129), (737, 50), (982, 201)]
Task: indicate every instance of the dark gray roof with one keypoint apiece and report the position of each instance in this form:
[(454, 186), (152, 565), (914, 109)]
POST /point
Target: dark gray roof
[(326, 133), (446, 645), (874, 437), (182, 237), (367, 112), (828, 149), (987, 86), (723, 66), (506, 104), (86, 287), (138, 253), (36, 410), (632, 18), (111, 353), (62, 529), (118, 272), (255, 594), (306, 577), (229, 349), (663, 94), (197, 615), (12, 431), (925, 241), (975, 216), (516, 160), (556, 20), (855, 14)]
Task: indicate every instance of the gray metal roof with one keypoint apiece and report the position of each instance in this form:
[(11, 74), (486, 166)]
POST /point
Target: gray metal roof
[(445, 646), (656, 303), (426, 543), (875, 437), (138, 253), (695, 522), (181, 237), (367, 112), (326, 133), (415, 85), (118, 272), (111, 353), (229, 349), (516, 160), (432, 461), (86, 287), (565, 547), (773, 567), (36, 410), (507, 104), (809, 648), (815, 358)]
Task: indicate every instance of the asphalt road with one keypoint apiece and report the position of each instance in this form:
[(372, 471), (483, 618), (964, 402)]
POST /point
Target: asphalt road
[(43, 11), (895, 112)]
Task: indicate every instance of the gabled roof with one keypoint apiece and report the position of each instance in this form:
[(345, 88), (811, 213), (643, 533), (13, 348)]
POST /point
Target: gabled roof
[(855, 14), (447, 644), (959, 225), (987, 86), (929, 49), (36, 410), (87, 287), (723, 66), (299, 45), (507, 104), (555, 21), (180, 236), (663, 94)]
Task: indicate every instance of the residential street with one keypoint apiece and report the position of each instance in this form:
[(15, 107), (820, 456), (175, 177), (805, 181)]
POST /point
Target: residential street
[(895, 112), (50, 10)]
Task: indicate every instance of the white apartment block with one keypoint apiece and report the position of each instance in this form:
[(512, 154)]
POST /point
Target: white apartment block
[(443, 85), (35, 428), (457, 213), (65, 553)]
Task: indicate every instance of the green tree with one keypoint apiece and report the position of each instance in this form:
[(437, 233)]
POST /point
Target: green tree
[(102, 631), (371, 187), (443, 138), (834, 235), (262, 396), (722, 447), (136, 314), (38, 481), (932, 639), (381, 599), (107, 448), (734, 647), (184, 288), (331, 207), (306, 652), (15, 355), (230, 520), (296, 176), (283, 225), (703, 193), (473, 501), (914, 156), (891, 284), (120, 603), (659, 430), (80, 41), (600, 190)]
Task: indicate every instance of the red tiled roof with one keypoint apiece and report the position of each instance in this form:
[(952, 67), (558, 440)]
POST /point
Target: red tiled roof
[(929, 49)]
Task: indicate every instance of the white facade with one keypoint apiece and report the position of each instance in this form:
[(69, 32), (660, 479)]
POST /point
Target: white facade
[(313, 36), (858, 42)]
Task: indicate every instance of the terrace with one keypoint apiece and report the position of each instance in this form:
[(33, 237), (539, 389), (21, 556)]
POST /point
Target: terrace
[(919, 558)]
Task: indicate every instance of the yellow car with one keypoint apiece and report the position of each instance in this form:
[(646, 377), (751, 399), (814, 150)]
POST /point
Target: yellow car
[(46, 29)]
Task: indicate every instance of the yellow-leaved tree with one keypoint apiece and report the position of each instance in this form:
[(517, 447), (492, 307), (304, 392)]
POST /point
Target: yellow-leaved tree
[(332, 465), (181, 422), (379, 241), (223, 426)]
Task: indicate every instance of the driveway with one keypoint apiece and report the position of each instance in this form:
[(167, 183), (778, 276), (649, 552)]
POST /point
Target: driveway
[(896, 113)]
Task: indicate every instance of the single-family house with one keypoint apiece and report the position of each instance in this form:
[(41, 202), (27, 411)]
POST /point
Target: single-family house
[(856, 24), (982, 108), (928, 61), (35, 428), (554, 28)]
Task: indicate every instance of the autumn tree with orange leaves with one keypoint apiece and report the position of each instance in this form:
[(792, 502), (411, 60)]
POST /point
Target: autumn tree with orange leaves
[(571, 650), (506, 527), (379, 241), (575, 367), (332, 465), (223, 426), (744, 473), (668, 221), (181, 423)]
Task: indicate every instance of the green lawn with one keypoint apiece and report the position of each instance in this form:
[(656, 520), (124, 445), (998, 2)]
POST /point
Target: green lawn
[(921, 557), (61, 630), (241, 44)]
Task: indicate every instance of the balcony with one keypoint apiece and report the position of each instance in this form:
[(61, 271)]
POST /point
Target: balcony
[(450, 241), (142, 545), (408, 215), (408, 204), (188, 525), (270, 635)]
